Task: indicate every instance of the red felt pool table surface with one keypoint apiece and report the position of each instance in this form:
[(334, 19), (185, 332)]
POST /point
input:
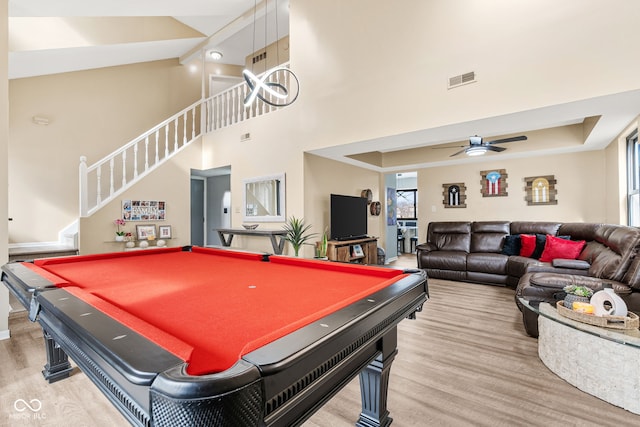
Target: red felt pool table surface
[(208, 306)]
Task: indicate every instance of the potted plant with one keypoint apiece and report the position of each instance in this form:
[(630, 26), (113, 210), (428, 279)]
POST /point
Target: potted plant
[(119, 233), (576, 293), (297, 233), (321, 246)]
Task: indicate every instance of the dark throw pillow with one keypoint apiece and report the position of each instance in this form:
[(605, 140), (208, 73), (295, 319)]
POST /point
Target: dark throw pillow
[(511, 245), (541, 240)]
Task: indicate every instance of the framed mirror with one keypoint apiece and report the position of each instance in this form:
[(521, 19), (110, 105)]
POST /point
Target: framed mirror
[(264, 199)]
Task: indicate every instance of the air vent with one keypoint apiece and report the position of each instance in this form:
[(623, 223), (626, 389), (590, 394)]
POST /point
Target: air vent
[(245, 137), (260, 57), (462, 79)]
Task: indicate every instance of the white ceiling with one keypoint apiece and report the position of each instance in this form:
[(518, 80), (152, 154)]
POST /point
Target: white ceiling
[(222, 25), (228, 26)]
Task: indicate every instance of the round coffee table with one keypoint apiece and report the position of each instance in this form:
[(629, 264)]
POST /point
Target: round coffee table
[(600, 361)]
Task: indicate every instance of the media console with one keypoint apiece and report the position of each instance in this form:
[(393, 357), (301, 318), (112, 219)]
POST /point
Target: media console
[(345, 250)]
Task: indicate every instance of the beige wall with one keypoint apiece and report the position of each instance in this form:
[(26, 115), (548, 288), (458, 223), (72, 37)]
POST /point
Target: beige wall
[(4, 161), (581, 190), (170, 183), (91, 113), (324, 177), (358, 83)]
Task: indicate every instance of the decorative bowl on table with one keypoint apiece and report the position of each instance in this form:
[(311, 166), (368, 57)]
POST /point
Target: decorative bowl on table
[(250, 226)]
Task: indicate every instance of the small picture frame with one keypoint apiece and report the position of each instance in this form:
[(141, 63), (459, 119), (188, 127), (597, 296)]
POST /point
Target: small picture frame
[(146, 232), (357, 251), (164, 231)]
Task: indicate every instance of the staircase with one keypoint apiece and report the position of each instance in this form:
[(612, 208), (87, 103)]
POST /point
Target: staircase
[(106, 179)]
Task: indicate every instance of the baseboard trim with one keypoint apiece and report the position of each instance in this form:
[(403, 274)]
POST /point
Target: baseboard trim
[(5, 335)]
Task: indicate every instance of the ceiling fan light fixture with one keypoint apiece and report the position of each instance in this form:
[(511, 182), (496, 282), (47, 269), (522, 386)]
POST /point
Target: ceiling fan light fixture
[(475, 140), (476, 151)]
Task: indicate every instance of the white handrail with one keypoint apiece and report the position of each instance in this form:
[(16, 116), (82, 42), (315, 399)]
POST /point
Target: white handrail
[(121, 170)]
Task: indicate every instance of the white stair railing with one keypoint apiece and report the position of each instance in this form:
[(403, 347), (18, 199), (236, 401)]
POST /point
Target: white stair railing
[(104, 180), (227, 108)]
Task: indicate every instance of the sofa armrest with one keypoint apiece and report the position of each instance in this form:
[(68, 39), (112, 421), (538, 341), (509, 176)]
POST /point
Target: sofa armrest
[(574, 264), (426, 247)]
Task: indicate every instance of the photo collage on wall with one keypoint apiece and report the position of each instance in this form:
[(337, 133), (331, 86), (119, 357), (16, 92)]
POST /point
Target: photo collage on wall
[(143, 210)]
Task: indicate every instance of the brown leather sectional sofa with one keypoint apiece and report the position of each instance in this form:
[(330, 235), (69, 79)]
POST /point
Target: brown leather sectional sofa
[(473, 252)]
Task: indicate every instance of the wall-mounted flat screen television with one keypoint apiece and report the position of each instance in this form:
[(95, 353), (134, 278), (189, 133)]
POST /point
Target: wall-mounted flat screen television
[(348, 217)]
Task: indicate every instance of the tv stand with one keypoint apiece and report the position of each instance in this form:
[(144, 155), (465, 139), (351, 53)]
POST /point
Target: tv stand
[(343, 250)]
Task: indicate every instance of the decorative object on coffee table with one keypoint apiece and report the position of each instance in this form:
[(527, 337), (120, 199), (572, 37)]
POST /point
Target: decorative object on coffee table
[(576, 293)]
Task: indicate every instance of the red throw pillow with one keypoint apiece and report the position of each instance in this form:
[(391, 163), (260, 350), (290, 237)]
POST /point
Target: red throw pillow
[(561, 248), (527, 244)]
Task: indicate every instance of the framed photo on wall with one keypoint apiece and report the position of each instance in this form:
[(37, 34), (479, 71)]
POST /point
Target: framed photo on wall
[(146, 232), (164, 231)]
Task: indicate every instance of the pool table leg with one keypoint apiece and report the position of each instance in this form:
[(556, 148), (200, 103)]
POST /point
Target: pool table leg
[(58, 366), (374, 383)]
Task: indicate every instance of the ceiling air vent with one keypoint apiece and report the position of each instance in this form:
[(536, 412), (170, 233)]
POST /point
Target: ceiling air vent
[(245, 137), (462, 79)]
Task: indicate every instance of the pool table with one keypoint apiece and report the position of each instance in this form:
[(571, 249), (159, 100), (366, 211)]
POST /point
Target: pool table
[(203, 336)]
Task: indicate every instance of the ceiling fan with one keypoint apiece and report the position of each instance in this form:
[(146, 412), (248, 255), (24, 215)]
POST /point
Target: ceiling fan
[(478, 147)]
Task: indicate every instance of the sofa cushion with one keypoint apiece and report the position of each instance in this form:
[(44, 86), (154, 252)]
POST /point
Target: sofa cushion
[(632, 276), (579, 230), (487, 263), (556, 247), (535, 227), (612, 252), (541, 240), (488, 236), (445, 260), (576, 264), (450, 236), (511, 245), (527, 245)]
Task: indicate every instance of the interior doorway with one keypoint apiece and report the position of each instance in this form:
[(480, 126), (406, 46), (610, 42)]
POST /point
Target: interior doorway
[(210, 204)]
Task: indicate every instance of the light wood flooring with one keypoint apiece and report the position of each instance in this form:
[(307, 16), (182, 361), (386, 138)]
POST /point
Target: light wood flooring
[(466, 361)]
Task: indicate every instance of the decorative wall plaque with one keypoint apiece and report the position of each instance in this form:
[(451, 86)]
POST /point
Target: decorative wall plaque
[(541, 190), (454, 195), (494, 183)]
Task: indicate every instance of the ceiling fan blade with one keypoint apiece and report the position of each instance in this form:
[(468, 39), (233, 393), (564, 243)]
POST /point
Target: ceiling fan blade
[(459, 152), (496, 149), (502, 141), (451, 146)]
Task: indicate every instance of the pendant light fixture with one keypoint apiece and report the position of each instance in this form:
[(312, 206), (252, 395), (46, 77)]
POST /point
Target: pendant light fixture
[(278, 86)]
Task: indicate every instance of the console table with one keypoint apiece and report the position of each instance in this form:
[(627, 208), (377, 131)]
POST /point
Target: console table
[(276, 236), (600, 361)]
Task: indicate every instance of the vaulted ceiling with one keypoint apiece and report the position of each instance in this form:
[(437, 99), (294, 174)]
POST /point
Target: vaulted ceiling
[(48, 37)]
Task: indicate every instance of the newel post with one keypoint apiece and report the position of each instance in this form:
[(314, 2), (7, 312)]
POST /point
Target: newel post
[(84, 195)]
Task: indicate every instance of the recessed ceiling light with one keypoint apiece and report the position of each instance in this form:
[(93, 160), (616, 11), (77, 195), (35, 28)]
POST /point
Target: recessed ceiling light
[(215, 55)]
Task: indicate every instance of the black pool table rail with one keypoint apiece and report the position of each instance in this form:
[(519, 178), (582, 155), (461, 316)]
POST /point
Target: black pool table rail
[(280, 384)]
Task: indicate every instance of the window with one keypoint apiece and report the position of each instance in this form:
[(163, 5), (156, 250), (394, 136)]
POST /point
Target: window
[(406, 207), (633, 177)]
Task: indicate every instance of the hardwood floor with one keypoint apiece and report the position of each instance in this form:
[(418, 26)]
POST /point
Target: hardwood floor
[(466, 361)]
